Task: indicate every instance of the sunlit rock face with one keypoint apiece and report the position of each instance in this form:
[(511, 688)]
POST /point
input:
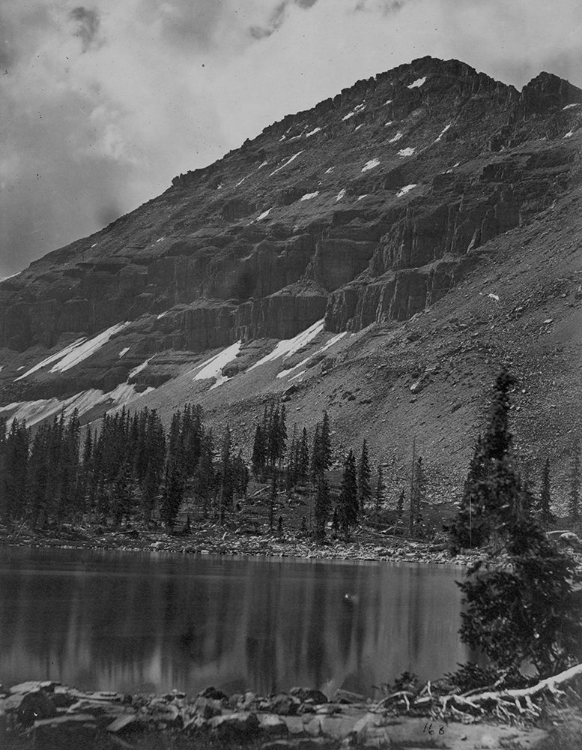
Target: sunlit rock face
[(365, 209)]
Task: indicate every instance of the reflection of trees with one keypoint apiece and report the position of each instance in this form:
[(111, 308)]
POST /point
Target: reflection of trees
[(172, 622)]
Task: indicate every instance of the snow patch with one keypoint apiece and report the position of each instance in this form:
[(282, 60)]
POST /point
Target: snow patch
[(390, 122), (333, 340), (361, 197), (417, 83), (397, 137), (370, 164), (299, 374), (264, 164), (406, 151), (309, 196), (86, 349), (312, 132), (162, 314), (264, 214), (405, 189), (160, 239), (292, 158), (388, 101), (569, 106), (139, 368), (347, 117), (33, 412), (340, 195), (570, 134), (52, 358), (443, 131), (361, 125), (213, 367), (123, 352), (493, 296), (330, 170), (240, 182), (94, 245), (286, 347)]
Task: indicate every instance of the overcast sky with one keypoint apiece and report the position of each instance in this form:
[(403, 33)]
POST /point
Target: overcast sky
[(102, 104)]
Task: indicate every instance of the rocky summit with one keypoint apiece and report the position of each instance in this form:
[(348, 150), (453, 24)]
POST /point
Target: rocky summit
[(378, 256)]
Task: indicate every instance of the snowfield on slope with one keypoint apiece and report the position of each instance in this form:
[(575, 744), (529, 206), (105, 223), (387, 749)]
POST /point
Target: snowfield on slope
[(286, 347), (213, 367), (33, 412), (333, 340)]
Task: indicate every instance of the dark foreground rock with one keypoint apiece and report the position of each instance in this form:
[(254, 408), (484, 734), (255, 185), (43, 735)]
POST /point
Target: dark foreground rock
[(50, 716)]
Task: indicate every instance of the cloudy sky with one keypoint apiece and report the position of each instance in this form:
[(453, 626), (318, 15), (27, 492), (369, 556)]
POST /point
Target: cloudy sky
[(102, 104)]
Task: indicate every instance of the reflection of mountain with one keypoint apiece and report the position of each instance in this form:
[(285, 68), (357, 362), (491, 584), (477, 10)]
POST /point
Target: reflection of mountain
[(131, 621)]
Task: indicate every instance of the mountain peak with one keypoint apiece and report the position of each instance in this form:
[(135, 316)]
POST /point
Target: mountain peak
[(354, 217)]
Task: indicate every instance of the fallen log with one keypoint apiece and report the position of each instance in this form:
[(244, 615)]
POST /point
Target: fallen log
[(549, 684)]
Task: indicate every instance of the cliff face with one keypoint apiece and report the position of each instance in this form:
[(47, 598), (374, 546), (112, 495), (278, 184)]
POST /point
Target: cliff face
[(368, 208)]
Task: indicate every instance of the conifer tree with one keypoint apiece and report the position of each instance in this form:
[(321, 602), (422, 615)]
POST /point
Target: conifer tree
[(400, 507), (417, 493), (545, 505), (364, 474), (172, 495), (379, 494), (348, 505), (303, 457), (226, 474), (574, 494), (259, 453), (322, 508), (205, 484), (493, 491), (273, 497)]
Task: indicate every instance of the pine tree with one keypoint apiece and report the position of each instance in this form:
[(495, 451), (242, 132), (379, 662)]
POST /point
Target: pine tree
[(172, 495), (379, 495), (226, 475), (545, 504), (303, 457), (493, 491), (417, 494), (273, 497), (259, 453), (348, 505), (322, 508), (574, 494), (205, 483), (400, 508), (364, 474)]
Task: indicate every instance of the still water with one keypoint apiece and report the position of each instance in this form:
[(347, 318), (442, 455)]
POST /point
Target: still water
[(153, 621)]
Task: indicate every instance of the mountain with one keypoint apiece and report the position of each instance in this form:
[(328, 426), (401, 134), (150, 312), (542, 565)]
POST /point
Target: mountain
[(379, 256)]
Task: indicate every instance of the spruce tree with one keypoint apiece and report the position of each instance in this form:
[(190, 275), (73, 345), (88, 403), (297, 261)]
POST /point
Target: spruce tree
[(378, 495), (348, 505), (492, 495), (259, 453), (417, 494), (545, 504), (574, 494), (226, 474), (322, 508), (364, 474), (303, 457)]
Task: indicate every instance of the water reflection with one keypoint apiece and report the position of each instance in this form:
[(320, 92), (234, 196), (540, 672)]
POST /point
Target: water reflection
[(129, 621)]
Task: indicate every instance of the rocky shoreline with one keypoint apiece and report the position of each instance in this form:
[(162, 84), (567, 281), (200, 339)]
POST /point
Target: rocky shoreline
[(215, 540), (48, 715)]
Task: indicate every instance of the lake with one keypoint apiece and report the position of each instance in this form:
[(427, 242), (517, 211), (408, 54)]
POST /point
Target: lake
[(151, 622)]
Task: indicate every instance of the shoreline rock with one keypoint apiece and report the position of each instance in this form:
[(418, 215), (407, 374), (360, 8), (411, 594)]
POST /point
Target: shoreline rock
[(51, 715)]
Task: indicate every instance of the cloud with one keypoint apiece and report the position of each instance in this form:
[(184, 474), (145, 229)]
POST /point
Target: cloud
[(87, 25), (104, 103)]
